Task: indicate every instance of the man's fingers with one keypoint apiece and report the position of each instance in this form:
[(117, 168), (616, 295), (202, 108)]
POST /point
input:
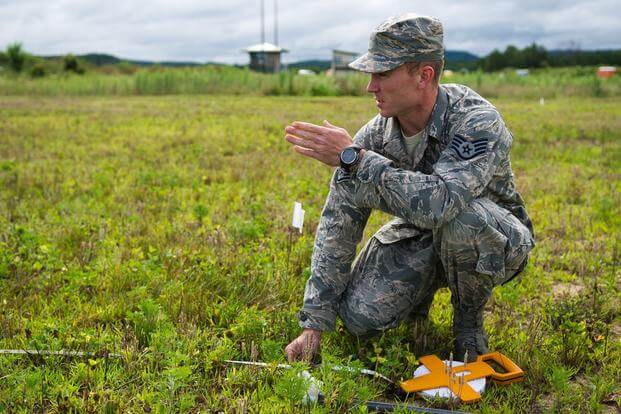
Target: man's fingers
[(311, 136), (327, 124), (295, 351), (304, 348), (306, 126), (301, 142), (290, 352)]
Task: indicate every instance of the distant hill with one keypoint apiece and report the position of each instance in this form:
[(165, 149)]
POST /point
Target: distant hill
[(460, 56), (316, 65), (101, 59), (454, 58)]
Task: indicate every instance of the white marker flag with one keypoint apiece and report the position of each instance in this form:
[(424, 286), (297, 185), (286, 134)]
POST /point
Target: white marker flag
[(298, 216)]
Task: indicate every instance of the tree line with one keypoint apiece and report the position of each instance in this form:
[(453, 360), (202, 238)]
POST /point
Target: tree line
[(536, 56), (532, 56), (18, 60)]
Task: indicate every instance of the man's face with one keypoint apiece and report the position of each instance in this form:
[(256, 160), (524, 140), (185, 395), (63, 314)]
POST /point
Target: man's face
[(395, 91)]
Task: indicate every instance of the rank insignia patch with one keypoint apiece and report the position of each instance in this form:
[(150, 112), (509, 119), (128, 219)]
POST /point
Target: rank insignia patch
[(467, 150)]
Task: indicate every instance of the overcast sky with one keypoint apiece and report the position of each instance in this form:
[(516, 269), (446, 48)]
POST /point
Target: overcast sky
[(217, 30)]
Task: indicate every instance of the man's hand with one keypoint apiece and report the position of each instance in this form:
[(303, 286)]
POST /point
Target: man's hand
[(304, 347), (324, 143)]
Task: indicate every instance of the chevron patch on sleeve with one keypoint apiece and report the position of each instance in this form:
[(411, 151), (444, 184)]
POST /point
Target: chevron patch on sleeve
[(466, 150)]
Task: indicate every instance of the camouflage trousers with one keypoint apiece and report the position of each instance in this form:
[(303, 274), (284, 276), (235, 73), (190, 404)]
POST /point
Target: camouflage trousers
[(394, 278)]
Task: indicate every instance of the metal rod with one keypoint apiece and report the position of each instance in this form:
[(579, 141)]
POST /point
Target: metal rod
[(257, 364), (58, 353), (386, 407), (363, 371)]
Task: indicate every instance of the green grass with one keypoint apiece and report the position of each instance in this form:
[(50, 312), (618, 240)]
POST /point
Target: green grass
[(157, 228), (547, 83)]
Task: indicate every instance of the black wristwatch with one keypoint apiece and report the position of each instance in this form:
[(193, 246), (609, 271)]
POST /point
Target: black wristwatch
[(350, 158)]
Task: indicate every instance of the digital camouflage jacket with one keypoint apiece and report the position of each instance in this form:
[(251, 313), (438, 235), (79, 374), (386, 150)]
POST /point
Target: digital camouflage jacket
[(464, 155)]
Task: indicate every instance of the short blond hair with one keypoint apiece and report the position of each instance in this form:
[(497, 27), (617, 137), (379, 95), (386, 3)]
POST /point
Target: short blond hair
[(437, 66)]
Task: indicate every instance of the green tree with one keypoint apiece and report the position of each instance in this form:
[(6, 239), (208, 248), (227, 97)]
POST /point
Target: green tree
[(71, 64), (16, 56), (535, 56), (494, 61), (513, 57)]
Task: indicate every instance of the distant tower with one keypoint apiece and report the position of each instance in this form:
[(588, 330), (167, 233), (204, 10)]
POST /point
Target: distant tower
[(341, 60), (265, 57)]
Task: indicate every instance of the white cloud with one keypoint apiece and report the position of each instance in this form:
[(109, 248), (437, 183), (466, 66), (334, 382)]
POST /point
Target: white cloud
[(209, 30)]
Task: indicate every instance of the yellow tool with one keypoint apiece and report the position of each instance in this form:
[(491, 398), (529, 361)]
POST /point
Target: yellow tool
[(442, 376)]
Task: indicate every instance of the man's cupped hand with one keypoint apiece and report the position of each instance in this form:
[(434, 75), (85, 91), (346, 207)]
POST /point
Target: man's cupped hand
[(321, 142)]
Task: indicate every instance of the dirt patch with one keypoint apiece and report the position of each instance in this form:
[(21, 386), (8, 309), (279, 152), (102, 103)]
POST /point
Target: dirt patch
[(566, 289)]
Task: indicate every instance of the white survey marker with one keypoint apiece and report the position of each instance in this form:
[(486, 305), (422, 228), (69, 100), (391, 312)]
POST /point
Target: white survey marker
[(298, 216)]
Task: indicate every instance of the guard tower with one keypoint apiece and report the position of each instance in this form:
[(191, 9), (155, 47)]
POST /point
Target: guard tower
[(265, 57)]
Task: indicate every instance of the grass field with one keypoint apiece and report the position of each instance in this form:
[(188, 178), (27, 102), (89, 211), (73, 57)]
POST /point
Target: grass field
[(157, 228), (547, 83)]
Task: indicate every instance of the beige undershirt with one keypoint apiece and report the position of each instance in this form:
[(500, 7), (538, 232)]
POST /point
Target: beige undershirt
[(412, 141)]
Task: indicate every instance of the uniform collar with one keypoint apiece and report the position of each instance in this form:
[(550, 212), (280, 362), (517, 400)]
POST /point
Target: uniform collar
[(393, 138), (435, 126)]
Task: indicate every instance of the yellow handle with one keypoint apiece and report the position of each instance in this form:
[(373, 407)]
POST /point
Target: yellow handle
[(513, 371)]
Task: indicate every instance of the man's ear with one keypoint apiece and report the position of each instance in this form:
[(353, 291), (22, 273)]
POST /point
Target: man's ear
[(426, 76)]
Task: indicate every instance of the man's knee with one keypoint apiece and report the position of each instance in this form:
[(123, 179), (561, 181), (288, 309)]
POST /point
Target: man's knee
[(365, 317), (389, 282), (486, 238)]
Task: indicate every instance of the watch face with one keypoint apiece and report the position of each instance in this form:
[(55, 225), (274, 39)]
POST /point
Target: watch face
[(349, 155)]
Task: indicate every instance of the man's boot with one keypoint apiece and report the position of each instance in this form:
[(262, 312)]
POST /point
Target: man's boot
[(469, 334)]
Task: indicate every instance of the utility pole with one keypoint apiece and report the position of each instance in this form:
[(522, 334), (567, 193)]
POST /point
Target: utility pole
[(276, 22), (262, 21)]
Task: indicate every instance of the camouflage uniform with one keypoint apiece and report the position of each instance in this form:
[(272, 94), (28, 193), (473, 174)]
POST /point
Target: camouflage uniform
[(459, 222)]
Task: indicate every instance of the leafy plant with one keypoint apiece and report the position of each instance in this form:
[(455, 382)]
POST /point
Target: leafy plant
[(15, 56), (71, 64)]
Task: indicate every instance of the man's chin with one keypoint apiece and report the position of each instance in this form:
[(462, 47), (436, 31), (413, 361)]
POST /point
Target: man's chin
[(384, 113)]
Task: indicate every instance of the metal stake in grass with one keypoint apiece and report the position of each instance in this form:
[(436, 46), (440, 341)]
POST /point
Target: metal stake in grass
[(296, 223)]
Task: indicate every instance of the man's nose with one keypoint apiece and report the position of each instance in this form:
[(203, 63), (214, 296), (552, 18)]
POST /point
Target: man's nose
[(372, 86)]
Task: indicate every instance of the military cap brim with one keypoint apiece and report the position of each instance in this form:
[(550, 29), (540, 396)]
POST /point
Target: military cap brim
[(372, 63)]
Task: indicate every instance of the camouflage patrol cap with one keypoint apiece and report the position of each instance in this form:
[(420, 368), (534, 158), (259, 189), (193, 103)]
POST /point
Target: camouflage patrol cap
[(401, 39)]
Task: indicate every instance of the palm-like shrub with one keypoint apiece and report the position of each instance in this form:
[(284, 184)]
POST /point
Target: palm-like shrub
[(16, 56)]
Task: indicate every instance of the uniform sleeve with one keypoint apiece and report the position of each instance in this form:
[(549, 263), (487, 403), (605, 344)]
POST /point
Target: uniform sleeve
[(479, 146), (340, 230)]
